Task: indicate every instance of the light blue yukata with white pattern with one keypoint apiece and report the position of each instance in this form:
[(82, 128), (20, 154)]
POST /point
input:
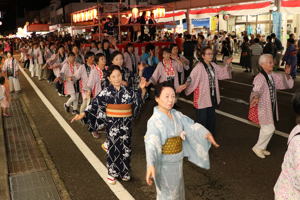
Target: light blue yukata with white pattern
[(168, 167)]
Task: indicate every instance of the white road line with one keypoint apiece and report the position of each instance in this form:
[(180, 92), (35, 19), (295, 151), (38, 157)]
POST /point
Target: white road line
[(236, 100), (280, 133), (248, 85), (100, 168)]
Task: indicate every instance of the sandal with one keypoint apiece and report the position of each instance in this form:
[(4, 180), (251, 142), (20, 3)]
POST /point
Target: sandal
[(104, 147), (111, 180)]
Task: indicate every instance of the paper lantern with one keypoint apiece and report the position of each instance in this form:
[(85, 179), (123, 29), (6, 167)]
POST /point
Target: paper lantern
[(135, 12), (161, 12), (148, 13), (95, 14), (155, 13), (82, 17)]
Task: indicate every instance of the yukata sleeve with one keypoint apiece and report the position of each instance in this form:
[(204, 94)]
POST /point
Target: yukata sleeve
[(153, 143), (95, 113), (137, 101), (195, 145), (17, 66), (62, 72), (193, 80), (156, 74), (178, 66), (186, 63), (283, 81), (78, 73), (91, 80), (257, 89), (223, 72)]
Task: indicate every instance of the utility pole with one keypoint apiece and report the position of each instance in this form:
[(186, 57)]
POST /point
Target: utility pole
[(99, 25)]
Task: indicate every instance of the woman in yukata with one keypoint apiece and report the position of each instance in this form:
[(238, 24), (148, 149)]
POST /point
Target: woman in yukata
[(171, 136), (11, 67), (98, 76), (96, 83), (56, 62), (117, 58), (115, 108), (166, 70), (287, 185), (203, 82), (71, 86), (181, 60), (264, 97), (83, 74)]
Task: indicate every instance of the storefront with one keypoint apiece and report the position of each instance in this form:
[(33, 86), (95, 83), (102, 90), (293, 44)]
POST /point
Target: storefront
[(251, 17)]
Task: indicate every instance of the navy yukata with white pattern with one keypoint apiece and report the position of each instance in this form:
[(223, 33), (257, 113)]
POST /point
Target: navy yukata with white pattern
[(118, 130)]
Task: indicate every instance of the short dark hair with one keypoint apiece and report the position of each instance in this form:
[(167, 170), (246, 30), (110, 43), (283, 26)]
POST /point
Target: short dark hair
[(166, 49), (204, 50), (98, 56), (113, 68), (273, 35), (172, 46), (159, 88), (71, 54), (88, 54), (128, 45), (149, 47), (114, 54)]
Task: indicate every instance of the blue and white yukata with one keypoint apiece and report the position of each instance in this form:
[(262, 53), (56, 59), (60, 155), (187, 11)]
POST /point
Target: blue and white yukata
[(168, 167), (118, 129)]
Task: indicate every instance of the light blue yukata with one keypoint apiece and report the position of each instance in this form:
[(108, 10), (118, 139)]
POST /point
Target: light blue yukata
[(168, 167)]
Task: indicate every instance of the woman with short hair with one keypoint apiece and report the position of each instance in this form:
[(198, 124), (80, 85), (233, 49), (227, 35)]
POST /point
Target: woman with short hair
[(263, 101)]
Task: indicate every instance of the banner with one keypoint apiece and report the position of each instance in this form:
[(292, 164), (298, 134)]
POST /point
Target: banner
[(277, 24)]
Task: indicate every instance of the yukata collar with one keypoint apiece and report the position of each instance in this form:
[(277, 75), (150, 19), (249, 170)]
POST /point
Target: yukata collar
[(112, 88), (158, 112)]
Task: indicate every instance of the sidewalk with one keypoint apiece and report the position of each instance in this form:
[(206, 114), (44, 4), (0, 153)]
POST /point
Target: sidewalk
[(27, 175)]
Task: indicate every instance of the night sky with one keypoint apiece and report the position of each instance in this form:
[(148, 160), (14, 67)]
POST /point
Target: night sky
[(15, 8)]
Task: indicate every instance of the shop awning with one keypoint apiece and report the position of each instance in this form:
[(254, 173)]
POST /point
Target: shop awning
[(241, 9), (38, 28), (173, 16), (290, 7)]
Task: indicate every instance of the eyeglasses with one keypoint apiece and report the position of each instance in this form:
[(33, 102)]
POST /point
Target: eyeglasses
[(209, 54)]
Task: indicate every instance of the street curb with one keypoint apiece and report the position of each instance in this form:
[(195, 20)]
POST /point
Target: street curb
[(63, 193), (4, 182)]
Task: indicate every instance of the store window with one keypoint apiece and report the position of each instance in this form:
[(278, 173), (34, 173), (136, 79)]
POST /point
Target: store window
[(241, 19)]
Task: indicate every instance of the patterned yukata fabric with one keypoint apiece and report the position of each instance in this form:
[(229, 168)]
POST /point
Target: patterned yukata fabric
[(168, 167), (287, 186), (118, 130)]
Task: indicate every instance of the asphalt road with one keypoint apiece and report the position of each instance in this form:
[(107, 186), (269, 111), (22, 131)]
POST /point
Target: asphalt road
[(235, 174)]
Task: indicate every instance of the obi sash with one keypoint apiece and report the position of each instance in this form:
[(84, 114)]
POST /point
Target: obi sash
[(172, 146), (118, 110)]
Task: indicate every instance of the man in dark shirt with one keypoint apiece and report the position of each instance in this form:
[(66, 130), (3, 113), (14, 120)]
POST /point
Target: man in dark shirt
[(188, 49), (278, 50), (109, 27)]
